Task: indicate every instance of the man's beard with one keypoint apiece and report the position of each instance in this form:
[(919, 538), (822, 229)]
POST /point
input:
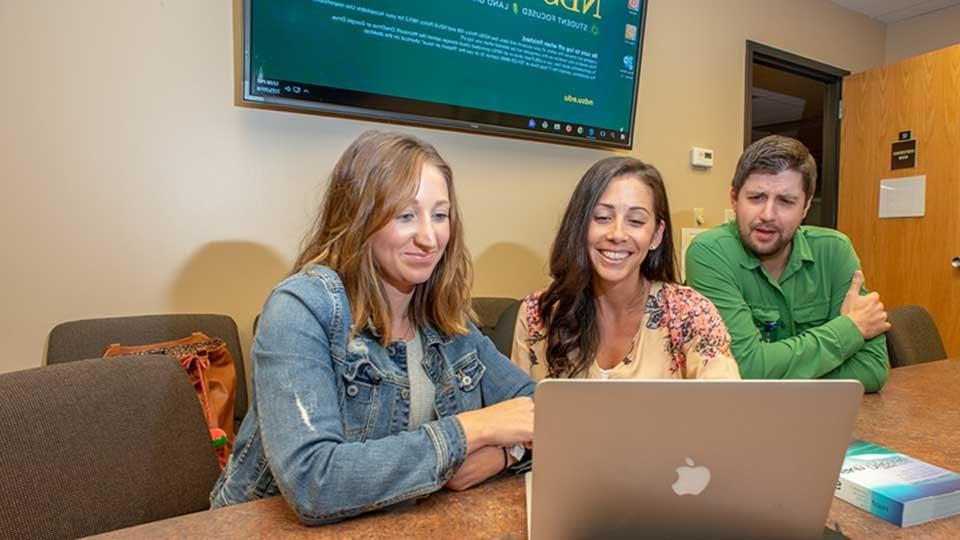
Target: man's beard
[(765, 250)]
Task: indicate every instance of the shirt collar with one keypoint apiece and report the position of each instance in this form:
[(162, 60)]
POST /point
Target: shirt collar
[(431, 336), (801, 247), (748, 260)]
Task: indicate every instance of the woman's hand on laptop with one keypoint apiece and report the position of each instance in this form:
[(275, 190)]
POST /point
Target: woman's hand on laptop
[(504, 424)]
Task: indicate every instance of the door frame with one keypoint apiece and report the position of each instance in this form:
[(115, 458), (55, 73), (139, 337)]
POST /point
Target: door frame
[(832, 77)]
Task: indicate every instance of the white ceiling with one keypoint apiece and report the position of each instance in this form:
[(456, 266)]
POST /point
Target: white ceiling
[(890, 11)]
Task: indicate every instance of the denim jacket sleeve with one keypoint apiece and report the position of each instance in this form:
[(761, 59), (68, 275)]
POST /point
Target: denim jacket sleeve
[(504, 380), (323, 477)]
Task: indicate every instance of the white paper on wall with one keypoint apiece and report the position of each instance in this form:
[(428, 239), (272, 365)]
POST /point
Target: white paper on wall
[(903, 197)]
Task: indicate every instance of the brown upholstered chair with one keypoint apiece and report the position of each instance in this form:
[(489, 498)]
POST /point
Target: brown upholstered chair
[(96, 445), (913, 338), (89, 338), (496, 317)]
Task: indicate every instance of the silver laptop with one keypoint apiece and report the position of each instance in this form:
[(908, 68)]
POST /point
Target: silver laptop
[(688, 459)]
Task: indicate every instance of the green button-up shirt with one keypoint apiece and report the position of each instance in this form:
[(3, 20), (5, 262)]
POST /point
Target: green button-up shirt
[(789, 328)]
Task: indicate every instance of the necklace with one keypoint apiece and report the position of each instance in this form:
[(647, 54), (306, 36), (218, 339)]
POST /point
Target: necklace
[(408, 332), (633, 343), (606, 321), (643, 307)]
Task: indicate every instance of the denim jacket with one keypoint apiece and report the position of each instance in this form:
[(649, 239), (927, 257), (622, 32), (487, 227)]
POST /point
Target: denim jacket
[(327, 425)]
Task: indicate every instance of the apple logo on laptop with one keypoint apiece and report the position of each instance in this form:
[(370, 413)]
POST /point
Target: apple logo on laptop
[(691, 480)]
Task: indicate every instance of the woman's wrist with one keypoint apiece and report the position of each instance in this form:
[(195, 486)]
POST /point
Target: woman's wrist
[(473, 429)]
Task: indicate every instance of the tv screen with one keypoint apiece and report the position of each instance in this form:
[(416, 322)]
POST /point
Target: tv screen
[(557, 70)]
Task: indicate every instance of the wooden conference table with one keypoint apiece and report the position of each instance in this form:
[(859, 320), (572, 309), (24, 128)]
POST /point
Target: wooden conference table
[(917, 413)]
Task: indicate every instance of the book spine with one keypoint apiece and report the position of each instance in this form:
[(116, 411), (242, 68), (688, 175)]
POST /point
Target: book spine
[(869, 500)]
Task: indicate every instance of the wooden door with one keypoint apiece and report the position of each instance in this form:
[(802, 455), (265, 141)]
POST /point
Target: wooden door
[(907, 260)]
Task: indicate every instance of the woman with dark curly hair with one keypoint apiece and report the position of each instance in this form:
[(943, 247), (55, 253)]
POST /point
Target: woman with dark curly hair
[(614, 309)]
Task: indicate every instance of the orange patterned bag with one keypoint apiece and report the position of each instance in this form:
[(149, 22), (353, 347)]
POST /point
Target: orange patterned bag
[(210, 366)]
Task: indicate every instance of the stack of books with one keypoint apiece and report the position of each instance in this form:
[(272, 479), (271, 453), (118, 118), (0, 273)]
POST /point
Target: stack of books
[(898, 488)]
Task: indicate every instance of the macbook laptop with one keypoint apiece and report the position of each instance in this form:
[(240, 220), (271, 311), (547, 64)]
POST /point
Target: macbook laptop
[(688, 459)]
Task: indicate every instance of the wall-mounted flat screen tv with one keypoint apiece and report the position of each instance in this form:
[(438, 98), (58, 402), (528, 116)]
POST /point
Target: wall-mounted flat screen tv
[(556, 70)]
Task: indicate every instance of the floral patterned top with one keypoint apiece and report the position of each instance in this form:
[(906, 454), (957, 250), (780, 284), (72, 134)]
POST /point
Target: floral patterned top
[(681, 336)]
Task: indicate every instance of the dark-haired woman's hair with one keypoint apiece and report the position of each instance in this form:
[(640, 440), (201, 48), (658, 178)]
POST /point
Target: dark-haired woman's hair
[(567, 307)]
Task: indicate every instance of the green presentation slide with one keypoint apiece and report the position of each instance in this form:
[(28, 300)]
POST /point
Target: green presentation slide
[(569, 60)]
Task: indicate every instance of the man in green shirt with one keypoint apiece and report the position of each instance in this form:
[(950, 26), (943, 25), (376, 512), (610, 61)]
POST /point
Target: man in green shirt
[(792, 296)]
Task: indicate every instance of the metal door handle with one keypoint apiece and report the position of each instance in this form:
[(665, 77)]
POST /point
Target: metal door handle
[(955, 262)]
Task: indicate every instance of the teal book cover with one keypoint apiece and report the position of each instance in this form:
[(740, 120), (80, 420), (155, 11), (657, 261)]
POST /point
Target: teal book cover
[(898, 488)]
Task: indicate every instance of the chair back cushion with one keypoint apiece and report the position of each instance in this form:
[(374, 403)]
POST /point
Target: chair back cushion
[(90, 338), (96, 445), (913, 337), (496, 317)]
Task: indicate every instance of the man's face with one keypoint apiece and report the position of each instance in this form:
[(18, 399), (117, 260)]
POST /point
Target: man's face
[(769, 209)]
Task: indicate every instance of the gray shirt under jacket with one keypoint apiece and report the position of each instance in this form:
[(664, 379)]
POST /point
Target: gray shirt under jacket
[(422, 390)]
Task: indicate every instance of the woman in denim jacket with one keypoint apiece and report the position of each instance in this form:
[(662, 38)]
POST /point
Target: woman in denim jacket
[(370, 384)]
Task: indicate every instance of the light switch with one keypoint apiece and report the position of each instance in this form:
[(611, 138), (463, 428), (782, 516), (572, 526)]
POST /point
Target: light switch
[(698, 216)]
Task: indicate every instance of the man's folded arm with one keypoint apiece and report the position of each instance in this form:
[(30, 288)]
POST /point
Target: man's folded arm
[(809, 355)]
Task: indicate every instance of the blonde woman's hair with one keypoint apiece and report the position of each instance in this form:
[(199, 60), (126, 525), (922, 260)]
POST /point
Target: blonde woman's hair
[(374, 180)]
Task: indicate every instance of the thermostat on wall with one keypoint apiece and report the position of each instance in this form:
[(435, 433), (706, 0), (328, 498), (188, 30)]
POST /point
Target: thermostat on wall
[(701, 157)]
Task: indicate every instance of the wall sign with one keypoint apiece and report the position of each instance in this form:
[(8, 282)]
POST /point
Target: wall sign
[(903, 154)]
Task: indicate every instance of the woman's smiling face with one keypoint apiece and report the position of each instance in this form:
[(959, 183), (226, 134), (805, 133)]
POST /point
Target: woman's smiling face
[(623, 229)]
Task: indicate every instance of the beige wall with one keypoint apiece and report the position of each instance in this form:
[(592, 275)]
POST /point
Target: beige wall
[(130, 183), (922, 34)]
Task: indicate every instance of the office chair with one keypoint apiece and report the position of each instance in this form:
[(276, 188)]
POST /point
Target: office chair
[(913, 337), (496, 317), (96, 445), (89, 338)]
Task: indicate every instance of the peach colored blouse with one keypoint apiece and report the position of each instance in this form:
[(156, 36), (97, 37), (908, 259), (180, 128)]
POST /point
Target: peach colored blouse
[(681, 336)]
